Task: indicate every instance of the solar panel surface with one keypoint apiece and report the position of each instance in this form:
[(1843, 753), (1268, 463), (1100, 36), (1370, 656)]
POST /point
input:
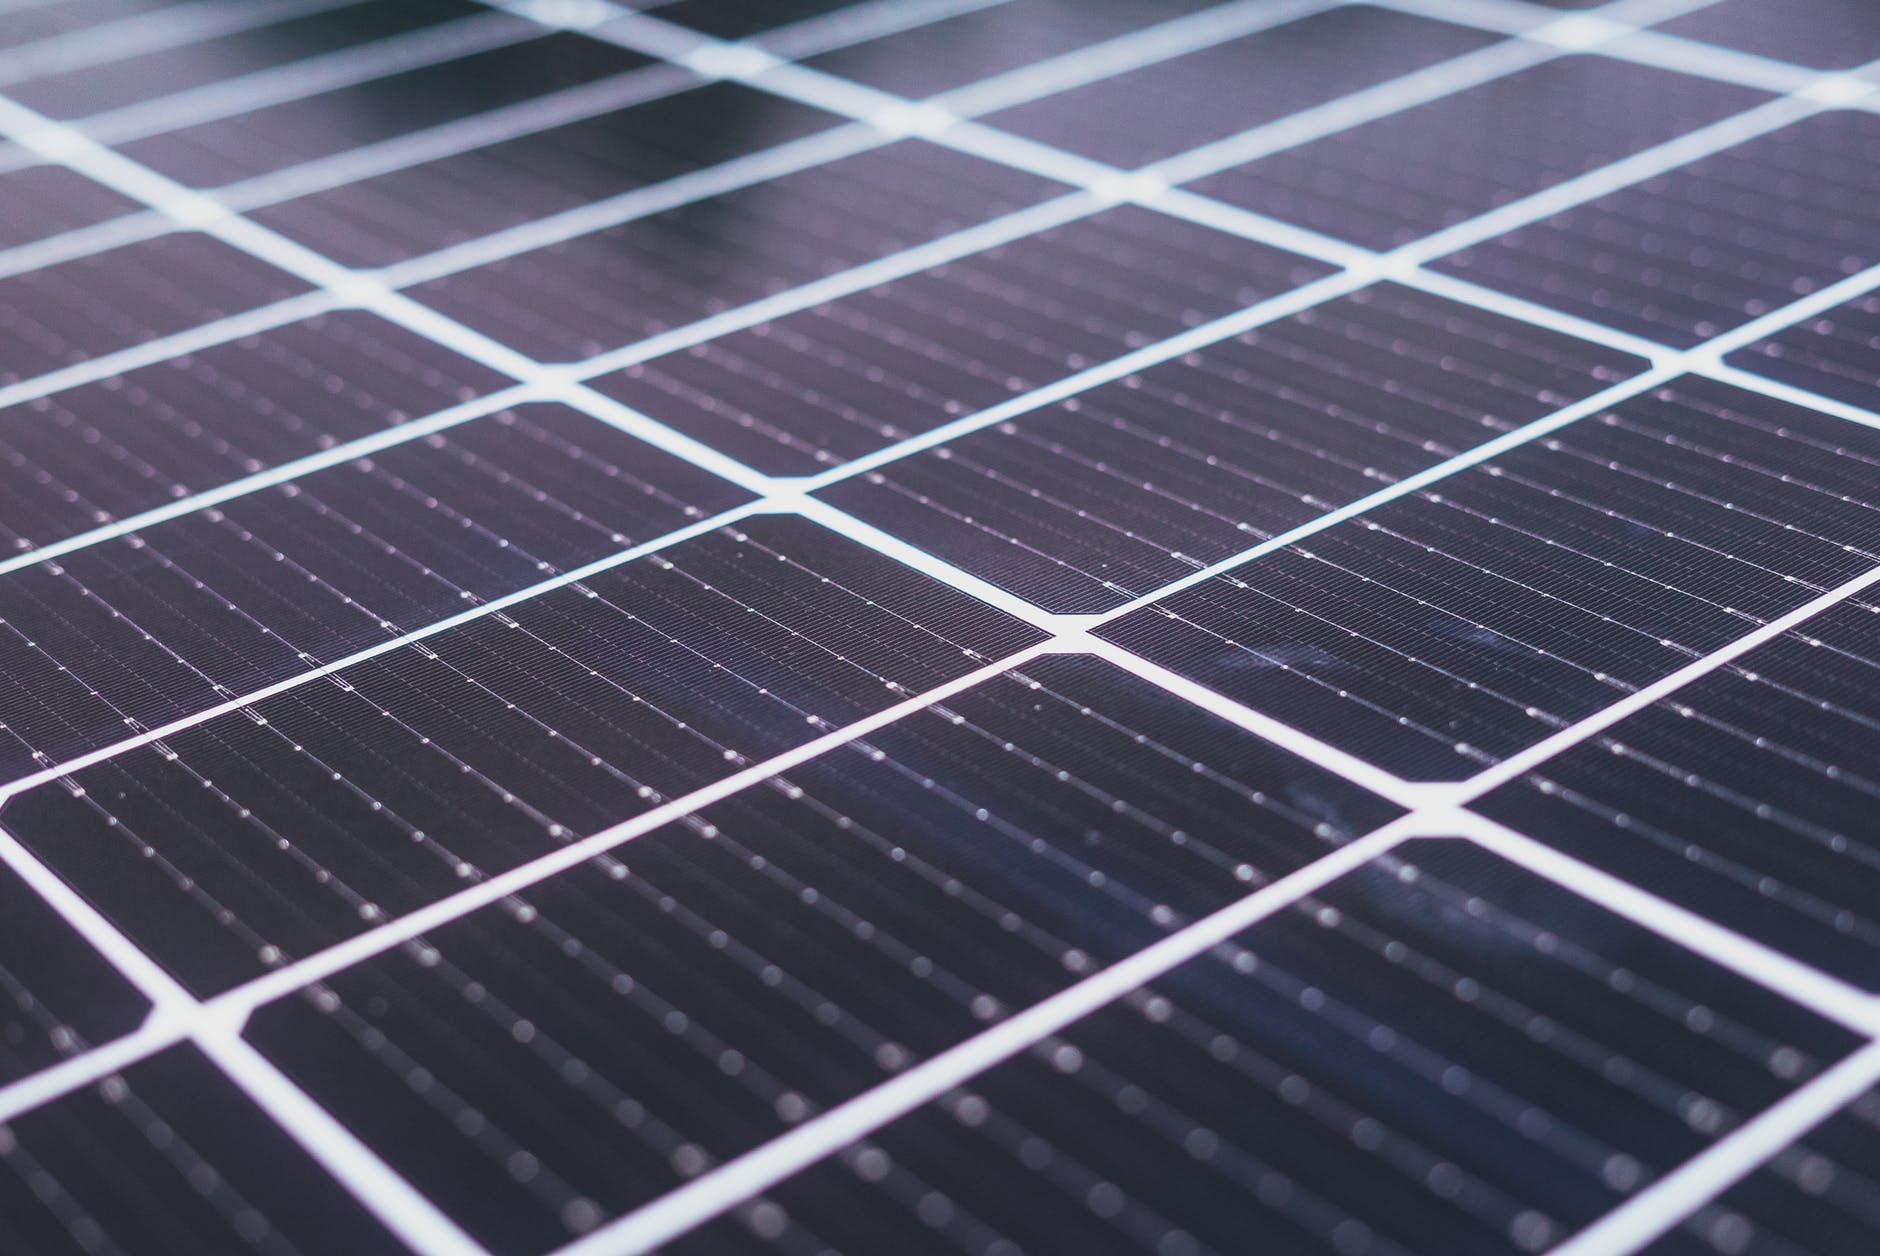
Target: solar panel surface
[(964, 626)]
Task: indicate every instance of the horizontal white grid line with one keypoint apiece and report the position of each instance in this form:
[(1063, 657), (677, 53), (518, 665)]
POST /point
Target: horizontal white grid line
[(1670, 1200), (722, 1188)]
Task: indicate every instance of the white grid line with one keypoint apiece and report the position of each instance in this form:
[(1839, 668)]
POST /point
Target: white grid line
[(333, 1144)]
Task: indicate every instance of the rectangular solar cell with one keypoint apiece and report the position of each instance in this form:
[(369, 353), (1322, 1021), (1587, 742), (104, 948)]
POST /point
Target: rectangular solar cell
[(57, 995), (1701, 249), (195, 610), (1116, 492), (799, 394), (1459, 623), (73, 460), (1831, 354), (169, 1156), (1747, 795), (582, 296), (789, 947), (1292, 1091), (43, 201), (423, 770), (419, 208)]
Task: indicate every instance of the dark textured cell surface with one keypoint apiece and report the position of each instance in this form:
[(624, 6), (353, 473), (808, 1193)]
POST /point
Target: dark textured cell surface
[(1836, 354), (1817, 1197), (600, 291), (275, 136), (1438, 1053), (1825, 34), (169, 1158), (136, 631), (94, 89), (86, 456), (70, 311), (43, 201), (1171, 106), (1121, 490), (57, 995), (983, 42), (1747, 795), (393, 217), (710, 984), (738, 19), (1406, 175), (1453, 626), (799, 394), (1685, 255), (416, 773)]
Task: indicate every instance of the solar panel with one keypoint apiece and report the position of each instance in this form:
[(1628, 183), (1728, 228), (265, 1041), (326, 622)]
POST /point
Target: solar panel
[(972, 627)]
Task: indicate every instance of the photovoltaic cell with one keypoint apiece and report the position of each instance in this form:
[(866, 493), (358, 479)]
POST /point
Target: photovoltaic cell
[(192, 611), (28, 23), (1830, 354), (169, 1156), (789, 947), (45, 201), (998, 38), (1748, 795), (1292, 1091), (1685, 255), (418, 209), (799, 394), (62, 314), (1118, 491), (599, 291), (1166, 107), (1814, 1198), (74, 460), (94, 89), (1412, 173), (1830, 34), (1441, 631), (259, 141), (57, 995), (287, 826)]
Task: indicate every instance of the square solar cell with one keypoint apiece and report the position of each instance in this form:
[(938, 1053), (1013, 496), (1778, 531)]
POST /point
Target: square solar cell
[(1113, 493), (993, 39), (153, 73), (1455, 625), (43, 201), (599, 291), (798, 394), (1746, 795), (1826, 34), (1437, 1053), (74, 460), (276, 136), (169, 1156), (711, 984), (62, 314), (1816, 1197), (420, 208), (1833, 354), (191, 611), (57, 995), (400, 779), (1167, 107), (1685, 255), (1411, 173)]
